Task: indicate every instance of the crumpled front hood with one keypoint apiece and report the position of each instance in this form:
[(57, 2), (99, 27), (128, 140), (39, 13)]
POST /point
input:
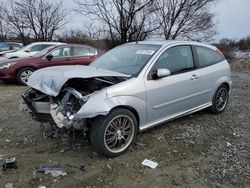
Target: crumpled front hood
[(51, 80)]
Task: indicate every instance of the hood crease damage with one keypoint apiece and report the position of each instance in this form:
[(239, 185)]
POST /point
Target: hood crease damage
[(59, 97)]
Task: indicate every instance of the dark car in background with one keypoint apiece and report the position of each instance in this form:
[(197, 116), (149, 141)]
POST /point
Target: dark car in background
[(7, 47), (20, 69)]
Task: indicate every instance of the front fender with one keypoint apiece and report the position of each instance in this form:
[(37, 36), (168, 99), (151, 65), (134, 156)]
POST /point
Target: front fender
[(101, 104)]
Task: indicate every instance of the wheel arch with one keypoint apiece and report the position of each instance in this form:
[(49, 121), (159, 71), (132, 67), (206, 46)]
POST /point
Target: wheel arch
[(223, 80), (130, 108), (20, 68)]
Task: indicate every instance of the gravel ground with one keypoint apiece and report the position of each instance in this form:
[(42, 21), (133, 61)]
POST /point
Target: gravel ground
[(199, 150)]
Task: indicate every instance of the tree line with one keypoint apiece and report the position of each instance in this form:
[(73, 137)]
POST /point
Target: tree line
[(110, 21)]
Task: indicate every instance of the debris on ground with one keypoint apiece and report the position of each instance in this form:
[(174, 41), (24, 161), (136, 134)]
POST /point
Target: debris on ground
[(1, 157), (149, 163), (53, 170), (9, 185), (229, 144), (41, 186), (10, 163), (82, 168), (109, 167)]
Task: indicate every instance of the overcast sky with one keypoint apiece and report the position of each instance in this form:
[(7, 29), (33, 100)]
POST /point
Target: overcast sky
[(232, 18)]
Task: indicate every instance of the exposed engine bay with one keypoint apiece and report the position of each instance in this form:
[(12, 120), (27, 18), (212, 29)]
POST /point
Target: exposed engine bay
[(62, 109)]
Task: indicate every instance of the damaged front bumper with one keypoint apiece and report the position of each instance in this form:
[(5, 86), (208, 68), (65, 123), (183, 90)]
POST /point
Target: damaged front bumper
[(47, 109)]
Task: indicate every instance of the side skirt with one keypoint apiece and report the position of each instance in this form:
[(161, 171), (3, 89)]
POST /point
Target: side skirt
[(174, 116)]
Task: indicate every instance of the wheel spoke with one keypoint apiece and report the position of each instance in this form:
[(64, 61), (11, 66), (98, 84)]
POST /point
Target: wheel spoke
[(119, 133), (221, 99), (111, 139), (114, 143)]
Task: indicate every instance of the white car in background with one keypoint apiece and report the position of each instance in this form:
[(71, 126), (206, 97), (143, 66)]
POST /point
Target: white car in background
[(30, 49)]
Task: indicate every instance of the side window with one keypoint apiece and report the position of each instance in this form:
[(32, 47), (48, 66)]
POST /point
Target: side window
[(36, 48), (16, 47), (176, 59), (207, 56), (39, 47), (61, 52), (82, 51), (92, 51), (44, 46), (5, 48)]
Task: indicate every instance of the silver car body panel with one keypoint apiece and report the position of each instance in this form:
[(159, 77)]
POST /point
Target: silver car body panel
[(154, 101)]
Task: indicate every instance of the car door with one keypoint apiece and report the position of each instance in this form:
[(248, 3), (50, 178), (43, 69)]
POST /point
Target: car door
[(59, 56), (82, 55), (175, 94)]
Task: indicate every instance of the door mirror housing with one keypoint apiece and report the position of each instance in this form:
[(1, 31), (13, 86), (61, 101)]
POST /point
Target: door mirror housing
[(49, 57), (28, 50), (160, 73)]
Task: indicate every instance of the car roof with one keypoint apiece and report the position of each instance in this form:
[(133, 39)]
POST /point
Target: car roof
[(47, 43), (72, 44), (172, 42), (10, 43)]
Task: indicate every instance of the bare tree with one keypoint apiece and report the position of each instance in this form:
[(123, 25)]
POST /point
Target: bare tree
[(189, 19), (4, 31), (14, 19), (39, 19), (124, 20)]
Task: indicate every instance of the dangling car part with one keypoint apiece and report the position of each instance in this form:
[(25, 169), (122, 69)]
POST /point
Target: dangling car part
[(129, 89)]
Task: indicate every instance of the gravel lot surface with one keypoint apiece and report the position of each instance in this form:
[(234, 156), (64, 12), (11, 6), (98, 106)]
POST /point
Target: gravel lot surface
[(199, 150)]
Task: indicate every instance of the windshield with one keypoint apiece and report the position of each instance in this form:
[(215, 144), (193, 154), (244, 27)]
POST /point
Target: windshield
[(127, 59), (44, 51)]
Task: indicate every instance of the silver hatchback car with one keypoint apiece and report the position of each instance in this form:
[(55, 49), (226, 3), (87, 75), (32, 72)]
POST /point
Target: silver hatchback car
[(129, 89)]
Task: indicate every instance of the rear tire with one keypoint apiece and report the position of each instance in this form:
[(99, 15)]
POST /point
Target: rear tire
[(23, 75), (220, 99), (114, 134)]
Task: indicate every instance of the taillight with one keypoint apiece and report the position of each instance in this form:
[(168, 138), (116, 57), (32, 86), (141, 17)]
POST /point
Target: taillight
[(220, 53)]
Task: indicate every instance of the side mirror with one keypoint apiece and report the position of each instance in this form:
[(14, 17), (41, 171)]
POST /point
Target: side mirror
[(28, 50), (160, 73), (163, 73), (49, 57)]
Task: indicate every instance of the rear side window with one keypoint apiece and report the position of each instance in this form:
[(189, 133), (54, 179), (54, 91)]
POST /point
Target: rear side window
[(207, 57), (82, 51)]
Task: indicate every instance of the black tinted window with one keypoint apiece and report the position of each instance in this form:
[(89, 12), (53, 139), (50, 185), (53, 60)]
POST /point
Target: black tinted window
[(207, 56), (176, 59)]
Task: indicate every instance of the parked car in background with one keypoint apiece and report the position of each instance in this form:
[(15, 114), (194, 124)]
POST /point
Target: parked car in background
[(131, 88), (7, 47), (30, 50), (20, 69)]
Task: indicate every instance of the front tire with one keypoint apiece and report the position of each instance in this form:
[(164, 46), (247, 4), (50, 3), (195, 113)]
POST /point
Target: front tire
[(114, 134), (23, 75), (220, 99)]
